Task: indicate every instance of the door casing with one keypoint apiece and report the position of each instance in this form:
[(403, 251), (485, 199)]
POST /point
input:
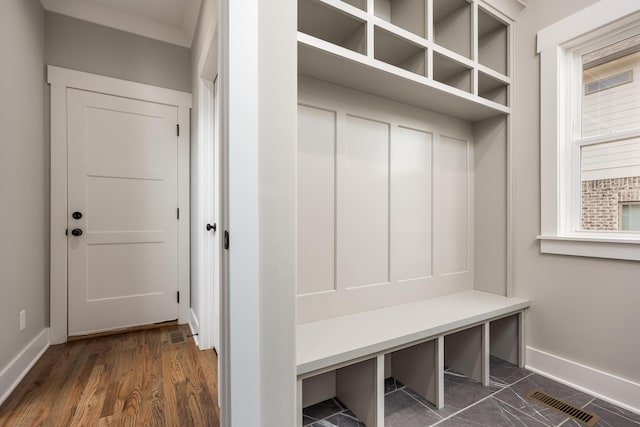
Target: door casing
[(60, 79), (207, 203)]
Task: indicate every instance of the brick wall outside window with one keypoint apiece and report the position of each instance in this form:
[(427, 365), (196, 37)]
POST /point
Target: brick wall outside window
[(601, 199)]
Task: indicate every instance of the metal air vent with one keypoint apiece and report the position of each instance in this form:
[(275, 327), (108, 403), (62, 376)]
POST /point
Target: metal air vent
[(574, 412)]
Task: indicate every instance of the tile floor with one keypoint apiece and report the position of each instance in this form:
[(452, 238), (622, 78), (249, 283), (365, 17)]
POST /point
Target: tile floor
[(469, 404)]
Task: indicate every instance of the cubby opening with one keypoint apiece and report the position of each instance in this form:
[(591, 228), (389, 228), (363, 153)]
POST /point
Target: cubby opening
[(452, 25), (492, 42), (451, 73), (415, 367), (463, 352), (492, 89), (360, 4), (351, 388), (504, 339), (399, 52), (332, 25), (409, 15)]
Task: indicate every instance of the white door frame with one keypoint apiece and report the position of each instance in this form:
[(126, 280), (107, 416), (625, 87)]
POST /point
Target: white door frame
[(60, 80), (207, 147)]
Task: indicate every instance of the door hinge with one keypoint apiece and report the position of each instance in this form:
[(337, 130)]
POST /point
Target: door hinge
[(178, 297), (66, 231), (178, 130), (178, 213), (226, 239)]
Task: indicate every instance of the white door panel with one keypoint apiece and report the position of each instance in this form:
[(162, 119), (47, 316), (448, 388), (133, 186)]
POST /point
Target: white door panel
[(122, 157)]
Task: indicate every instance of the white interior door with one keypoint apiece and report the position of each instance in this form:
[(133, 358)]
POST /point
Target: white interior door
[(209, 206), (122, 180)]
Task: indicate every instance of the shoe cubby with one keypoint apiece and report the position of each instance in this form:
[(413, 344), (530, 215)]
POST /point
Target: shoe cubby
[(492, 89), (451, 73), (410, 15), (375, 365), (452, 25), (504, 338), (398, 52), (353, 387), (464, 353), (417, 368), (332, 25), (492, 42)]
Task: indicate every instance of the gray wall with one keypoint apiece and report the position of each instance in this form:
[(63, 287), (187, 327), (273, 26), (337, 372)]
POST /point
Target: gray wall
[(24, 177), (30, 38), (84, 46), (583, 309)]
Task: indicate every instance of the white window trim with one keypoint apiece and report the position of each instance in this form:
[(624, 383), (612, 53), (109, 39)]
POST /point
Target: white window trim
[(555, 44)]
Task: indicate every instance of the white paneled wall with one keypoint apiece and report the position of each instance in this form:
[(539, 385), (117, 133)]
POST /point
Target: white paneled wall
[(411, 194), (363, 203), (316, 200), (452, 186), (384, 197)]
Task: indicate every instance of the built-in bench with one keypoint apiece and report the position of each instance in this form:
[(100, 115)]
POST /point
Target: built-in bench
[(350, 356)]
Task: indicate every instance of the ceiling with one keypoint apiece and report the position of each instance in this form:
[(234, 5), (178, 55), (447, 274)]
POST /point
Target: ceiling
[(171, 21)]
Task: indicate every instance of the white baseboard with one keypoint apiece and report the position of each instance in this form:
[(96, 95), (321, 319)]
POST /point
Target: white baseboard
[(194, 324), (11, 375), (602, 385)]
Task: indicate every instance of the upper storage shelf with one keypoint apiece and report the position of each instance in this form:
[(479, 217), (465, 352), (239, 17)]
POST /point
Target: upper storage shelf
[(449, 56), (452, 25)]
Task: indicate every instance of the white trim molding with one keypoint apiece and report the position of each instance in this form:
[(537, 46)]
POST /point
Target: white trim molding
[(510, 8), (555, 46), (588, 246), (603, 385), (206, 195), (60, 80), (11, 376), (588, 20)]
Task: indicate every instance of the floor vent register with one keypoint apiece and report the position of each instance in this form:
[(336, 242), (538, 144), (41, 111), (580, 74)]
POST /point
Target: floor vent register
[(177, 337), (572, 411)]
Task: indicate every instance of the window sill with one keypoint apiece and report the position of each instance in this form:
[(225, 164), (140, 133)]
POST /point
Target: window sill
[(611, 247)]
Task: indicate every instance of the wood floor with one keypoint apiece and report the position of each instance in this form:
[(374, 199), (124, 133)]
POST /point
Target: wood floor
[(133, 379)]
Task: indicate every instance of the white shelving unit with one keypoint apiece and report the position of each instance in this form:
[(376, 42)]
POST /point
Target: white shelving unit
[(450, 56)]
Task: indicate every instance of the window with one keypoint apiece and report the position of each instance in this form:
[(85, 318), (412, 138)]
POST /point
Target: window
[(608, 139), (590, 132), (608, 82), (629, 217)]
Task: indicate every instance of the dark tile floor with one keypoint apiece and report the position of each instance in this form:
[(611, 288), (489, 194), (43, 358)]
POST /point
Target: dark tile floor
[(468, 403)]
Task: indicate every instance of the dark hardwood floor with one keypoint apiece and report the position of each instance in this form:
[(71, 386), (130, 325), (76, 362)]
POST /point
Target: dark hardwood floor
[(132, 379)]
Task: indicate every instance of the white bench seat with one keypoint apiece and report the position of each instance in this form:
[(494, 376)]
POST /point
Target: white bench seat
[(356, 346)]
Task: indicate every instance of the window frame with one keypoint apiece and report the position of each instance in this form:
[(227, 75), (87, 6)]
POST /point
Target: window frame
[(559, 46), (620, 209)]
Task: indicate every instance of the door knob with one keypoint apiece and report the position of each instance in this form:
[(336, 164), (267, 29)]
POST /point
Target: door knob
[(76, 232), (76, 215), (213, 227)]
